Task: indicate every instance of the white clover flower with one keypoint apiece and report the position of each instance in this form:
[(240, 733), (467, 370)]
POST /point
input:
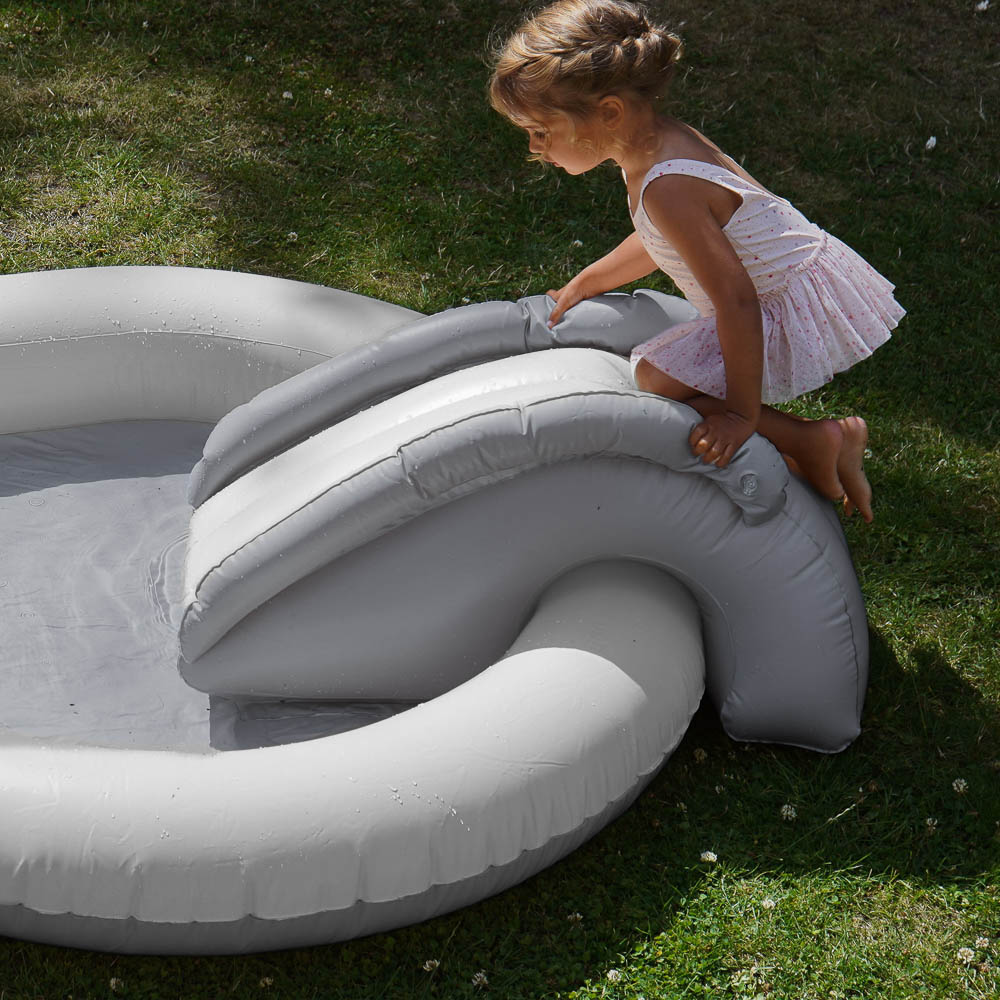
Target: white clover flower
[(466, 300), (719, 789), (266, 983), (292, 237), (700, 756), (574, 918), (328, 92), (983, 5), (788, 812), (614, 976), (248, 59), (287, 95), (930, 143), (577, 243), (960, 785), (430, 965), (117, 985), (932, 824), (768, 903), (145, 25), (982, 942), (479, 980), (965, 955), (709, 857)]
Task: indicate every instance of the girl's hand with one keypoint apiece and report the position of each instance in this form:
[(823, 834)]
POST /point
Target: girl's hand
[(572, 292), (719, 436), (627, 262)]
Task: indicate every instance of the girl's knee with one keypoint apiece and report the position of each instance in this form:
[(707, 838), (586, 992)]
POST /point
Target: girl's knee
[(645, 375), (649, 378)]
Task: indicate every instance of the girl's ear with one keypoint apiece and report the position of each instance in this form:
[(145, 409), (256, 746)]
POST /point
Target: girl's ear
[(611, 111)]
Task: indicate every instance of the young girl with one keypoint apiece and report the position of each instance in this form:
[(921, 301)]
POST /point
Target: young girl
[(784, 305)]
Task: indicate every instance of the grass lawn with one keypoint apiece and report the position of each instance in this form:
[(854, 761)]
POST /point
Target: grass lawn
[(350, 144)]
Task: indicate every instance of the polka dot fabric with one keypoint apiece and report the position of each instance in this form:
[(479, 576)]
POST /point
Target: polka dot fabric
[(824, 307)]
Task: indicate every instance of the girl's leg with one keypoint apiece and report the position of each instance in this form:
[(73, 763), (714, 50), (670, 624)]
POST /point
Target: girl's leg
[(829, 454), (851, 465)]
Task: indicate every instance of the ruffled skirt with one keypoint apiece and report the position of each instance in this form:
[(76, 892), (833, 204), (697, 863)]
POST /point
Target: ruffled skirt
[(833, 311)]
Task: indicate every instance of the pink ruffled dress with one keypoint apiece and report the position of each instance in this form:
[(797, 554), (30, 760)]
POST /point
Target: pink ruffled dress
[(824, 307)]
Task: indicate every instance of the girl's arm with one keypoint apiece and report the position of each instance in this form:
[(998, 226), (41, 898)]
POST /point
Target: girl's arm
[(683, 209), (627, 262)]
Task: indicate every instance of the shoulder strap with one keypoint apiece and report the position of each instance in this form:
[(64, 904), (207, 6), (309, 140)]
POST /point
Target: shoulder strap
[(713, 172)]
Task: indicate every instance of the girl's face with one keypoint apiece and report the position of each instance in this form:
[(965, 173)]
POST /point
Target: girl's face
[(556, 141)]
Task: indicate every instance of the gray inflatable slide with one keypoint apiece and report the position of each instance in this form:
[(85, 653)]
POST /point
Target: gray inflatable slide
[(323, 617)]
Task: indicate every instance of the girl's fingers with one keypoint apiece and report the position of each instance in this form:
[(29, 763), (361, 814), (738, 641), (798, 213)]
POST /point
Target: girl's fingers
[(701, 432), (713, 452), (710, 448), (701, 441), (727, 453), (558, 310)]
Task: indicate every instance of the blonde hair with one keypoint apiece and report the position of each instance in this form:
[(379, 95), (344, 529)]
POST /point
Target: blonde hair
[(569, 55)]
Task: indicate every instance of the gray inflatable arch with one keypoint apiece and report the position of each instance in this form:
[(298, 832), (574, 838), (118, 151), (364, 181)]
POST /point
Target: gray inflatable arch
[(438, 511)]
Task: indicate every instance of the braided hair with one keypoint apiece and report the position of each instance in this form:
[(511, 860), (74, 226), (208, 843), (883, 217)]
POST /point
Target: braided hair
[(569, 55)]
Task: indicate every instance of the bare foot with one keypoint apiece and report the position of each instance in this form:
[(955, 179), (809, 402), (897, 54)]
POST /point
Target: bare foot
[(851, 468), (817, 463)]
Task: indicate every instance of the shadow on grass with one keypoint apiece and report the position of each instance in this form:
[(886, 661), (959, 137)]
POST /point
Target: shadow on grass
[(862, 816)]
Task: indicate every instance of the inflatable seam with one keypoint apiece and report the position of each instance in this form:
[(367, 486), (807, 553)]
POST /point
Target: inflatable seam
[(115, 334)]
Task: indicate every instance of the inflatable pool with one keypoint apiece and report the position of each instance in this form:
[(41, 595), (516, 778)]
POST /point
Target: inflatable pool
[(323, 617)]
